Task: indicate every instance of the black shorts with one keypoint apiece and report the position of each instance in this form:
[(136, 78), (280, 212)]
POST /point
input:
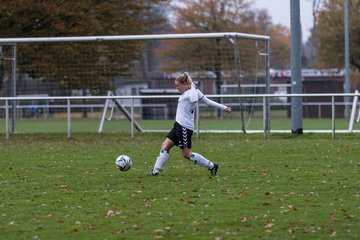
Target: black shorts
[(181, 136)]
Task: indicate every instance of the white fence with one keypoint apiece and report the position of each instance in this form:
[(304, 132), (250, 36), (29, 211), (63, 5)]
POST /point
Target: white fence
[(8, 103)]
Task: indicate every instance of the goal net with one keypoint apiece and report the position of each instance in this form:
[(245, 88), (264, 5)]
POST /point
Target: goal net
[(136, 65)]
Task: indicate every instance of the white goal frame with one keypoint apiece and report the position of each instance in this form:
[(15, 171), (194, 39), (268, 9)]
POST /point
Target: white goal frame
[(353, 112), (232, 36)]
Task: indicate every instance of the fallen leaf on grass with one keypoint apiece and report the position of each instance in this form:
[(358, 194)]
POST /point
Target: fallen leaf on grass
[(242, 218), (333, 233), (268, 225), (90, 227), (311, 229), (158, 233), (117, 231), (137, 227), (292, 229), (292, 207)]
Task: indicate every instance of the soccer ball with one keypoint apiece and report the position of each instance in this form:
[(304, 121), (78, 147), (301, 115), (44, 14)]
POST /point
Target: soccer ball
[(123, 163)]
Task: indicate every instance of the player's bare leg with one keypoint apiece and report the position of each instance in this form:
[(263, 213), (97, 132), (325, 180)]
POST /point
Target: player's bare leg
[(201, 160)]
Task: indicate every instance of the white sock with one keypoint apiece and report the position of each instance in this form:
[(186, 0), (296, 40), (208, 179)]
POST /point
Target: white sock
[(199, 159), (160, 161)]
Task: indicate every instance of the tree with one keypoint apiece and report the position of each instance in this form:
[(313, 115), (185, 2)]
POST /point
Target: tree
[(330, 33), (279, 46), (316, 6), (223, 16), (34, 18), (309, 49)]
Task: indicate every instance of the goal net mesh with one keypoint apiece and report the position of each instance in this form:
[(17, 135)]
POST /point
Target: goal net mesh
[(224, 65)]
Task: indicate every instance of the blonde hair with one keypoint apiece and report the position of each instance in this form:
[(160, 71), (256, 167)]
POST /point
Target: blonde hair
[(184, 78)]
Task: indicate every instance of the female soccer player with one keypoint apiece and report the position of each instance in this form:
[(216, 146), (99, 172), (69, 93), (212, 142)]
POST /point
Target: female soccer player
[(180, 134)]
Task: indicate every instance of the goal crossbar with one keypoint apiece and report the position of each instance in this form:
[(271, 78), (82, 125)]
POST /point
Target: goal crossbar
[(135, 37)]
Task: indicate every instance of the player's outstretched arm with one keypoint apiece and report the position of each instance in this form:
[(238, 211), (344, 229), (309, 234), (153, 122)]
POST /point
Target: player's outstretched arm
[(214, 104)]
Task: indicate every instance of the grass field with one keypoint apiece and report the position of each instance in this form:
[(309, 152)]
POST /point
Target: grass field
[(91, 126), (285, 187)]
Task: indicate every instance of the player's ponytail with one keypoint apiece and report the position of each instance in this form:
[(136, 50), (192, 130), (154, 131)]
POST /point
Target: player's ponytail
[(184, 78)]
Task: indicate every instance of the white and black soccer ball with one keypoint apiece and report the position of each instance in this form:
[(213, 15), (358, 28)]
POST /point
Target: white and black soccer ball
[(123, 163)]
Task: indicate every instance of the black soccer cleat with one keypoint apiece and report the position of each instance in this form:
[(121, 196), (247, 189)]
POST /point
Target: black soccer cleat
[(151, 173), (214, 170)]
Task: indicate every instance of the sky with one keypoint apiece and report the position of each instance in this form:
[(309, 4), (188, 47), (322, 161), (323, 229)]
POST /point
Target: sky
[(279, 10)]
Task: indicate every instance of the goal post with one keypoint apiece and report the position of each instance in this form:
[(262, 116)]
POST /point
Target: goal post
[(128, 64), (116, 102), (353, 112)]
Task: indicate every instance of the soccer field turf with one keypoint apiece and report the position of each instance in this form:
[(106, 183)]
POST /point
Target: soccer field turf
[(115, 126), (304, 187)]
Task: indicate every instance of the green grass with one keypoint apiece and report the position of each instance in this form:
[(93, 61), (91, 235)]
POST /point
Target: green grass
[(304, 187), (91, 126)]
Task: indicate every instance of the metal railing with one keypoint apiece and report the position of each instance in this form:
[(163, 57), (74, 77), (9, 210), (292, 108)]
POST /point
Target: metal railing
[(11, 101)]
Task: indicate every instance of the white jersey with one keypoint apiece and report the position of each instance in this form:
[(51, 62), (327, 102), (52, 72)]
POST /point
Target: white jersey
[(186, 107)]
